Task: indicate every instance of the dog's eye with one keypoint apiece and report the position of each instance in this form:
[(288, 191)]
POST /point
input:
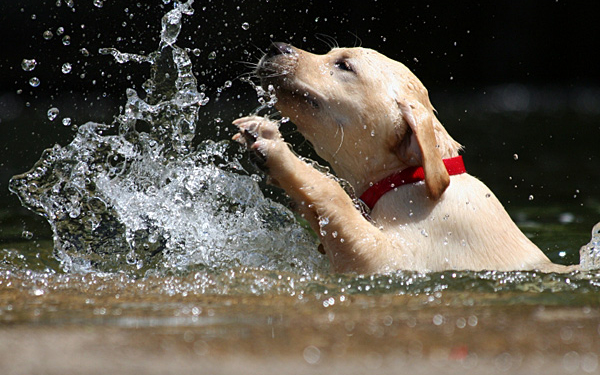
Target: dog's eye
[(344, 65)]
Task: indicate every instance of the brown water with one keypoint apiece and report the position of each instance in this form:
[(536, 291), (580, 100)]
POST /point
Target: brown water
[(246, 320), (61, 323)]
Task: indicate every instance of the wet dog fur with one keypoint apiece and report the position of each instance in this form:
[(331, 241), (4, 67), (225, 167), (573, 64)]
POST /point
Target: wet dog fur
[(370, 116)]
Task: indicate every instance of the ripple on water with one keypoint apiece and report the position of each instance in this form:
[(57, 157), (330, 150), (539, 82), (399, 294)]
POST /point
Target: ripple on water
[(261, 282)]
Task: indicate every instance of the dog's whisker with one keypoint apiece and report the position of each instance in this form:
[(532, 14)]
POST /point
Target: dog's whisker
[(262, 52), (244, 77), (328, 40), (356, 39), (341, 129), (248, 64), (272, 75)]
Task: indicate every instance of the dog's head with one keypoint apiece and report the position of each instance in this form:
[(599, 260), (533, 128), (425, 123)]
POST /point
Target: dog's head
[(366, 114)]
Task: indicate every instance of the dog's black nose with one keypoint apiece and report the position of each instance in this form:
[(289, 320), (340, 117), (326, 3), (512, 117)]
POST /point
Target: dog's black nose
[(279, 48)]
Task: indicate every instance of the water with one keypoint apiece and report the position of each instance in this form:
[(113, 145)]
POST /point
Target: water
[(146, 202), (166, 244), (589, 253), (120, 199)]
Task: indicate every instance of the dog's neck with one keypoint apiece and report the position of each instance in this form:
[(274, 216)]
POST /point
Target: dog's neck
[(363, 172), (455, 166)]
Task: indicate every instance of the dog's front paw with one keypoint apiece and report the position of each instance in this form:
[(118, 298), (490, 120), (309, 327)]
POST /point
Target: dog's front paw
[(258, 134)]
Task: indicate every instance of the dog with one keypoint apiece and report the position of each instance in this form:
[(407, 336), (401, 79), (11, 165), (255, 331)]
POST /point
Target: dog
[(371, 119)]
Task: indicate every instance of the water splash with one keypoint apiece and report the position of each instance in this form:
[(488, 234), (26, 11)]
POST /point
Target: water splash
[(266, 98), (590, 253), (119, 199)]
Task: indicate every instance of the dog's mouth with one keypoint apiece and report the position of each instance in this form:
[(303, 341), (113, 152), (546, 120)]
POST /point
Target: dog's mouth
[(279, 61), (313, 102), (307, 97), (277, 68), (289, 95), (273, 68)]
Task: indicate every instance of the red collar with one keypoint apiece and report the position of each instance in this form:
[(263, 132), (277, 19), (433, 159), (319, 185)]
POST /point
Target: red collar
[(406, 176)]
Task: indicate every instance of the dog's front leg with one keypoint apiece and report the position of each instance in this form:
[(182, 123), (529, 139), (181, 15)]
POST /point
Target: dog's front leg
[(351, 242)]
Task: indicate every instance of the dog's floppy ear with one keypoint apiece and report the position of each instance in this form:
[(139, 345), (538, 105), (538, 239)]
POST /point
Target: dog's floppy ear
[(419, 147)]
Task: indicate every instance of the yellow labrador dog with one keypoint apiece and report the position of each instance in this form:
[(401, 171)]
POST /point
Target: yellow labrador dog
[(370, 117)]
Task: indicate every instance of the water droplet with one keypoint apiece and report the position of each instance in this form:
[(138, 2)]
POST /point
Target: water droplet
[(28, 65), (60, 31), (212, 55), (75, 212), (66, 68), (27, 235), (99, 3), (323, 221), (531, 197), (84, 52), (312, 354), (171, 26), (34, 81), (66, 40), (52, 113), (66, 121), (589, 363), (245, 26), (47, 35), (516, 157), (196, 51), (227, 84)]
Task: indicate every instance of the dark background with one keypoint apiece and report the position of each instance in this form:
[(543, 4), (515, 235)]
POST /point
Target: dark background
[(507, 77)]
